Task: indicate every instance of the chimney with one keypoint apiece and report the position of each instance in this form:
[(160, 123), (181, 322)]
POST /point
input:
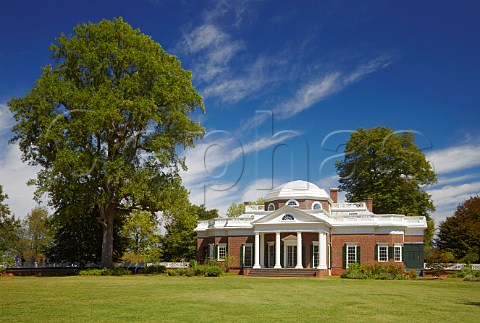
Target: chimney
[(369, 203), (334, 194)]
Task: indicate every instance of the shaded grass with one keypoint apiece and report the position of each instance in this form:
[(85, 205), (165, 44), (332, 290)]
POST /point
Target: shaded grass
[(235, 298)]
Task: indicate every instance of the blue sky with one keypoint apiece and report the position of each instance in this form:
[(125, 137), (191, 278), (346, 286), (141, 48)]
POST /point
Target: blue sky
[(284, 83)]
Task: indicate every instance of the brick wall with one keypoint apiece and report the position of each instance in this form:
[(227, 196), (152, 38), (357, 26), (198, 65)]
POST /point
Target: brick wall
[(418, 239)]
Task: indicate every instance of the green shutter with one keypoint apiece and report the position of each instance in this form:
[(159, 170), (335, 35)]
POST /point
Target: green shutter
[(376, 252), (403, 254), (281, 254), (330, 256), (358, 254), (215, 252), (344, 256), (311, 256), (391, 253), (241, 255), (304, 256)]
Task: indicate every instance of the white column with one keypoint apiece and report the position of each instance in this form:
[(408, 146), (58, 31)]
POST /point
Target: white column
[(262, 250), (322, 250), (277, 251), (299, 250), (257, 250)]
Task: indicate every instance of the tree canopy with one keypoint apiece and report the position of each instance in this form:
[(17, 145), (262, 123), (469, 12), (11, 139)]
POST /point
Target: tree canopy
[(389, 167), (235, 210), (460, 233), (105, 120)]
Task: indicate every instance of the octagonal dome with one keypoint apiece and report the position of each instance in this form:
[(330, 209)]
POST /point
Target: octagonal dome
[(297, 190)]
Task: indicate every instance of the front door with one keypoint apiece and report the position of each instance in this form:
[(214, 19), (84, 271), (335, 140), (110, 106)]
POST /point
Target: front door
[(291, 257)]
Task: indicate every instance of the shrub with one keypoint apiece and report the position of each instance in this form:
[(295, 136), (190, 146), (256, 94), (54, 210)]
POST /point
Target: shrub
[(214, 271), (412, 274), (192, 263), (155, 269), (105, 272), (200, 270), (384, 271), (465, 272)]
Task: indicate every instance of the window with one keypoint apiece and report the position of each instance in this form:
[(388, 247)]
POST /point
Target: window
[(271, 207), (382, 253), (351, 254), (271, 255), (288, 217), (292, 203), (221, 251), (397, 253), (316, 206), (315, 256), (247, 255)]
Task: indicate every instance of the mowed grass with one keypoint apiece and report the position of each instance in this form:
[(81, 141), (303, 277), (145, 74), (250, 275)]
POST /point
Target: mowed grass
[(236, 299)]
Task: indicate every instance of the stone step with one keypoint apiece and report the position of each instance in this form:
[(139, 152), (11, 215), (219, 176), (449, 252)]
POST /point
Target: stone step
[(284, 272)]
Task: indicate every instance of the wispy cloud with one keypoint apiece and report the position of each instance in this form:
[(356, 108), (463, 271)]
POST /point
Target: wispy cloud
[(6, 119), (455, 158), (328, 84)]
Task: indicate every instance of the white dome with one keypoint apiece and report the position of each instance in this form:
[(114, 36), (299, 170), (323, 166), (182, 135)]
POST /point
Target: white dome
[(297, 190)]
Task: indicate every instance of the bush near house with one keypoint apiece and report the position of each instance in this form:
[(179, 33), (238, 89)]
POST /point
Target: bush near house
[(467, 273), (384, 271)]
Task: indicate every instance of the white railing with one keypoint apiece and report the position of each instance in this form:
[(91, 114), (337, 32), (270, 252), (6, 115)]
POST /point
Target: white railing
[(253, 208), (179, 264), (358, 205), (455, 266)]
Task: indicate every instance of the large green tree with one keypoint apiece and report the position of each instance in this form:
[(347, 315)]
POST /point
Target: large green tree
[(389, 167), (460, 233), (106, 119), (35, 233), (142, 231)]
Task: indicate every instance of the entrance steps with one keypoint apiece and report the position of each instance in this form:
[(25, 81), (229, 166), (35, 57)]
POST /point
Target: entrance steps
[(283, 272)]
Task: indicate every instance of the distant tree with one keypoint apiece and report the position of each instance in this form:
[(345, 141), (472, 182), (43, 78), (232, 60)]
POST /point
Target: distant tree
[(141, 229), (235, 210), (107, 118), (387, 166), (8, 229), (180, 241), (36, 233), (460, 233)]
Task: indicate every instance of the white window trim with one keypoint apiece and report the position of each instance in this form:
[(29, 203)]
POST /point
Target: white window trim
[(273, 207), (397, 246), (296, 203), (223, 245), (317, 203), (269, 259), (378, 252), (251, 259), (355, 253)]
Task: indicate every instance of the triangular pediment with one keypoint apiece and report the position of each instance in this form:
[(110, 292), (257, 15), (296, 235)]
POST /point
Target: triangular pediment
[(288, 215)]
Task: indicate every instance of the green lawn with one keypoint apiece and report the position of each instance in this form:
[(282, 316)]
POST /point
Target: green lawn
[(236, 299)]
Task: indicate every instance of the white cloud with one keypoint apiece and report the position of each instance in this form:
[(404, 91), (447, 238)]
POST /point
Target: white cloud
[(328, 84), (13, 177), (6, 118), (455, 158)]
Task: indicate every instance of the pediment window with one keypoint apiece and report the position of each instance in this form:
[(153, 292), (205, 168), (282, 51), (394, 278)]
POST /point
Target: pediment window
[(292, 203), (288, 217)]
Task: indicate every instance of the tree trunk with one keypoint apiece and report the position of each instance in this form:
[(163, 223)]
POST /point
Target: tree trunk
[(107, 241)]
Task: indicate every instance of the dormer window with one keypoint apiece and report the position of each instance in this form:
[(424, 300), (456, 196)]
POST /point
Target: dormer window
[(316, 206), (292, 203), (288, 217), (271, 207)]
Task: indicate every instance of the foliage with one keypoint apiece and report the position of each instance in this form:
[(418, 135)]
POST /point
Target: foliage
[(141, 228), (105, 120), (213, 271), (155, 269), (383, 271), (412, 274), (180, 241), (235, 210), (35, 234), (77, 237), (387, 166), (105, 272), (460, 233), (8, 229), (466, 271), (437, 260), (201, 271)]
